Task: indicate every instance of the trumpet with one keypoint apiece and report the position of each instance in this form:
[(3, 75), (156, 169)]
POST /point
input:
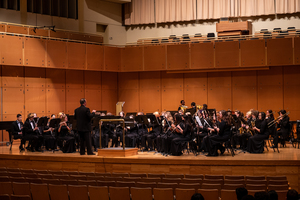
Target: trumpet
[(273, 122)]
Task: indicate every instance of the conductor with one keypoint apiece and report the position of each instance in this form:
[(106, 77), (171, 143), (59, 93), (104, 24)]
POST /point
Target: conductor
[(83, 117)]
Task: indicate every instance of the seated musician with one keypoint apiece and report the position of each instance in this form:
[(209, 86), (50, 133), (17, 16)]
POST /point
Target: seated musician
[(193, 105), (256, 142), (17, 127), (209, 127), (156, 131), (251, 118), (49, 136), (270, 118), (162, 135), (65, 138), (31, 133), (167, 132), (201, 129), (237, 121), (118, 132), (284, 127), (131, 136)]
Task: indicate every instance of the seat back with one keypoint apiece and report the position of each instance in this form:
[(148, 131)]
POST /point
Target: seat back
[(157, 179), (21, 188), (209, 194), (138, 175), (96, 192), (120, 174), (278, 187), (20, 197), (196, 176), (174, 176), (4, 197), (89, 182), (58, 192), (228, 195), (117, 193), (232, 186), (182, 194), (6, 188), (78, 192), (163, 194), (214, 177), (39, 191), (195, 186), (150, 175), (171, 180), (141, 193)]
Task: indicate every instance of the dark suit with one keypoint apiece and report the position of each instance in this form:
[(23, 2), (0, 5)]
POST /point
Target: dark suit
[(34, 137), (284, 126), (16, 130), (83, 116)]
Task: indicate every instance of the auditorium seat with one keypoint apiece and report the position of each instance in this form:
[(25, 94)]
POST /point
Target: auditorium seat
[(256, 182), (30, 175), (58, 192), (15, 174), (212, 186), (47, 176), (228, 195), (34, 180), (39, 191), (89, 182), (94, 177), (4, 179), (78, 192), (171, 180), (255, 178), (20, 197), (163, 194), (4, 197), (6, 188), (208, 176), (183, 194), (125, 184), (86, 173), (120, 174), (12, 169), (40, 171), (77, 177), (106, 183), (141, 193), (21, 188), (213, 181), (108, 178), (168, 185), (198, 176), (281, 194), (240, 181), (252, 192), (276, 178), (70, 173), (150, 175), (96, 192), (256, 187), (117, 193), (174, 176), (69, 181), (191, 180), (102, 174), (61, 176), (52, 181), (151, 179), (146, 185), (55, 172), (232, 186), (138, 175), (209, 194), (195, 186), (278, 187), (27, 171), (229, 177), (278, 182), (135, 179), (3, 169), (3, 173), (18, 179)]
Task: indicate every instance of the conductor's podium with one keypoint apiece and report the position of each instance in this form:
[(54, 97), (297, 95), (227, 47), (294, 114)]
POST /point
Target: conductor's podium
[(117, 152)]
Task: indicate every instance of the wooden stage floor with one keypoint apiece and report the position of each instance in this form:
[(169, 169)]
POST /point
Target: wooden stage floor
[(271, 163)]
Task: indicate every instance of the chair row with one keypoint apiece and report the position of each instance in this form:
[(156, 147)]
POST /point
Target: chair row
[(82, 192)]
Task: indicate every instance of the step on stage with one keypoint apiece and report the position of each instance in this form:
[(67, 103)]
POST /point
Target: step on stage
[(270, 163)]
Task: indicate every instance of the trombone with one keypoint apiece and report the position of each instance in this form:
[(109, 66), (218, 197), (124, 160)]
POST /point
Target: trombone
[(273, 122)]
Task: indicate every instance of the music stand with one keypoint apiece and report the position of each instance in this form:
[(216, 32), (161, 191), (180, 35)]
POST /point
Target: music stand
[(43, 122), (54, 122), (132, 113), (153, 119)]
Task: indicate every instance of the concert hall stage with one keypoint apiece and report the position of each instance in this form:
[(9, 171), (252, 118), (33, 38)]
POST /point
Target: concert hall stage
[(287, 163)]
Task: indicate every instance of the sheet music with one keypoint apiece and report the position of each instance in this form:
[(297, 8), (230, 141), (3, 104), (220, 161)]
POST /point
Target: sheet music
[(198, 121)]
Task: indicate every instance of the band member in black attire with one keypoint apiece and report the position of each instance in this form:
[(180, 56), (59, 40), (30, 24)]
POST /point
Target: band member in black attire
[(49, 136), (64, 137), (284, 125), (270, 118), (156, 131), (31, 133), (223, 134), (83, 117), (175, 132), (193, 104), (256, 142), (182, 102), (201, 129), (131, 136), (17, 127)]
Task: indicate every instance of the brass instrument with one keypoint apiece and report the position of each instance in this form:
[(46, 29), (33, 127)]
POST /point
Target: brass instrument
[(199, 107), (273, 122), (183, 108)]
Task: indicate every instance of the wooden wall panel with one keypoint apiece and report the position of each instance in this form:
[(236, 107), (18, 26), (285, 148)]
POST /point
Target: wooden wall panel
[(244, 78), (73, 97), (35, 77), (2, 28), (219, 98), (11, 50), (150, 80), (55, 78), (227, 54), (195, 94), (17, 29), (132, 58), (253, 53), (35, 100), (155, 58), (109, 100), (274, 76), (38, 32), (57, 54), (92, 80), (170, 80), (178, 57), (150, 100), (194, 80), (10, 117), (93, 98), (12, 76), (76, 55), (109, 80), (13, 101), (202, 55), (131, 99), (74, 79), (219, 79), (297, 50), (55, 100), (291, 75), (270, 97), (112, 59), (128, 80), (280, 51), (34, 52), (291, 97), (94, 57), (171, 98), (244, 98)]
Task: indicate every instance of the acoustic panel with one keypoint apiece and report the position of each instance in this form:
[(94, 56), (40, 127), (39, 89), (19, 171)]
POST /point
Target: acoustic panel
[(280, 51), (55, 101), (11, 117), (150, 80), (93, 98), (171, 98), (244, 98), (132, 58), (38, 32), (291, 75), (128, 80), (291, 97), (178, 57), (94, 57), (76, 55), (2, 28), (11, 50), (150, 100), (297, 50), (109, 80), (13, 101), (202, 55), (195, 94), (17, 29), (244, 78), (131, 99), (195, 80), (109, 100), (57, 54), (270, 97), (35, 100), (219, 98), (112, 59), (73, 97), (55, 78), (227, 54), (253, 53), (74, 79), (155, 58), (35, 77), (222, 79), (170, 80), (294, 115), (12, 76), (34, 52), (273, 76), (92, 80)]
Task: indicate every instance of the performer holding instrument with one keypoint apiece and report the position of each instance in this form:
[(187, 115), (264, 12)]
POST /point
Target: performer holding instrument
[(284, 125)]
